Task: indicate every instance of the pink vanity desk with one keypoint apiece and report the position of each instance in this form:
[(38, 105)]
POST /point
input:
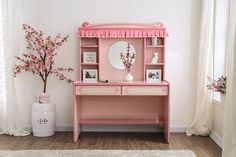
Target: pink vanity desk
[(120, 102)]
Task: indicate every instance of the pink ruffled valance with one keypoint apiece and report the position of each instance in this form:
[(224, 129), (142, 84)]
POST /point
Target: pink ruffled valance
[(122, 30)]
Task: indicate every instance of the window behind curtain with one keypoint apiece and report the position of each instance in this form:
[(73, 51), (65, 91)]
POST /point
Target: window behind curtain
[(2, 78), (1, 56), (221, 22)]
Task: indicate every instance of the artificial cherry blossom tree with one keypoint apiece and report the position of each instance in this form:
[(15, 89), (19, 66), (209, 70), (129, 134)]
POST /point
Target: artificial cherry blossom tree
[(39, 59)]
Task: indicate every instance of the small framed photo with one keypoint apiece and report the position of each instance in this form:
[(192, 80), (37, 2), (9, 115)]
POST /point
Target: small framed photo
[(153, 75), (89, 57), (90, 75)]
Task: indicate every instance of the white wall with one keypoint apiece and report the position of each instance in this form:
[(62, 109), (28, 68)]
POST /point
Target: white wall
[(218, 122), (52, 16)]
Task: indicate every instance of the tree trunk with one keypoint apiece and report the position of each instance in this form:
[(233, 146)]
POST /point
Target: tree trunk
[(45, 85)]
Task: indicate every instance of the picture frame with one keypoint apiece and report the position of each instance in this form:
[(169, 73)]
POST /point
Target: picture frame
[(153, 75), (90, 75), (89, 57)]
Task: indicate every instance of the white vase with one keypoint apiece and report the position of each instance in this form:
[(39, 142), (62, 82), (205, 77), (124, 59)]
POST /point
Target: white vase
[(129, 77), (43, 119)]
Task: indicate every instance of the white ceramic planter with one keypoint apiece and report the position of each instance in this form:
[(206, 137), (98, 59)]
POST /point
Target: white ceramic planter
[(43, 119)]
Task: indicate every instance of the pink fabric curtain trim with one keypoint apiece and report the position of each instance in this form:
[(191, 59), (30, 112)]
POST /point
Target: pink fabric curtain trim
[(123, 31)]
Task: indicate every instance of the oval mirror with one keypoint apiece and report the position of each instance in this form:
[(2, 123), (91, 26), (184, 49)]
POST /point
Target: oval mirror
[(114, 53)]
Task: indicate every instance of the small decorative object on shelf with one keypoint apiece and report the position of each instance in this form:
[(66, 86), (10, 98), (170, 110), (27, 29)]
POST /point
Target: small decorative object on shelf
[(128, 60), (40, 61), (153, 75), (90, 75), (218, 85), (89, 57), (155, 58), (156, 41)]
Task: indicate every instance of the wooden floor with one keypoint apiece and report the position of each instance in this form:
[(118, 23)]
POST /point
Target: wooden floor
[(202, 146)]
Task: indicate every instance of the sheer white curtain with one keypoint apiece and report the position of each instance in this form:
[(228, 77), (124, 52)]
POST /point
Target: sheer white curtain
[(202, 122), (229, 137), (10, 15)]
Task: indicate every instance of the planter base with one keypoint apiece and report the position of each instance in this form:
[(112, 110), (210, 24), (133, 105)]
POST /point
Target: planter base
[(43, 133)]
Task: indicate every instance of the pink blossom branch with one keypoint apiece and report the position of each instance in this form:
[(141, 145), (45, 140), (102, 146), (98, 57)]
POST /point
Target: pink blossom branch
[(40, 57), (128, 58), (61, 76)]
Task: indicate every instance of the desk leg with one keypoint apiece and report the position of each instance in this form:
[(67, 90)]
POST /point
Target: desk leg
[(76, 118), (167, 118)]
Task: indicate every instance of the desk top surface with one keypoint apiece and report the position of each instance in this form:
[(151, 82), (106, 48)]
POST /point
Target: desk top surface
[(120, 83)]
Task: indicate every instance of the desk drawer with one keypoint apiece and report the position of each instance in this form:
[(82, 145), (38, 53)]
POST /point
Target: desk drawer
[(144, 90), (98, 90)]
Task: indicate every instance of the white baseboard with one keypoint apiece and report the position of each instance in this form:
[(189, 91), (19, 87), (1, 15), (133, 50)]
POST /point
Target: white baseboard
[(217, 138), (116, 128), (178, 128), (59, 128)]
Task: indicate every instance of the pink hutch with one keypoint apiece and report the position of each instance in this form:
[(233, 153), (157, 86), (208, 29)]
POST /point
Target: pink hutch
[(140, 101)]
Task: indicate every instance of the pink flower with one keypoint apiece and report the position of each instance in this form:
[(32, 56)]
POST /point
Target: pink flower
[(218, 85)]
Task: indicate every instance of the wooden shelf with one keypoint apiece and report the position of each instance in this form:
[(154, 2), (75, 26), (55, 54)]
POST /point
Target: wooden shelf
[(120, 119), (151, 46), (89, 63), (86, 46), (151, 64)]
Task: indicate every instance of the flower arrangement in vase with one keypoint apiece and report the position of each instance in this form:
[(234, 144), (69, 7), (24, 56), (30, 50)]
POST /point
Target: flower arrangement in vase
[(128, 60), (218, 85), (39, 59)]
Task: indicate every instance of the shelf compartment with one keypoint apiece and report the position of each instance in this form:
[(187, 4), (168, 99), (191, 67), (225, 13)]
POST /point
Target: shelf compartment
[(150, 53), (89, 41), (149, 41), (120, 119)]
